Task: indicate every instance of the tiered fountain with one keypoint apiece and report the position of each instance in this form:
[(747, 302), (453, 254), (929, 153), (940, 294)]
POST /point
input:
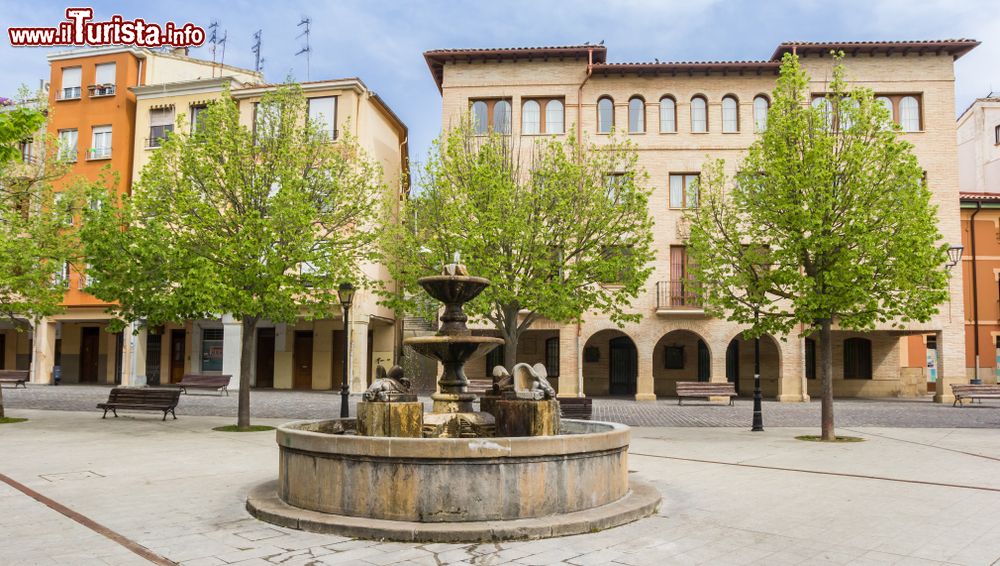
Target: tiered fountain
[(397, 473)]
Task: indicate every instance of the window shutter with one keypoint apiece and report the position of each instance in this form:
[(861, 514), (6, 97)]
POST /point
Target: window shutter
[(105, 74), (161, 116), (71, 77)]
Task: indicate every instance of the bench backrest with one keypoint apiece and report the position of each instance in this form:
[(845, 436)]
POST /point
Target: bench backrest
[(14, 373), (144, 395), (704, 387), (972, 388), (198, 379)]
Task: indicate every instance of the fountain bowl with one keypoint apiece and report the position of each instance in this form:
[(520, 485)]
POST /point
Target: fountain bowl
[(452, 489)]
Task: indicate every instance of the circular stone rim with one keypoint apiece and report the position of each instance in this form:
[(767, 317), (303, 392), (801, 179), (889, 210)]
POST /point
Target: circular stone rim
[(642, 500)]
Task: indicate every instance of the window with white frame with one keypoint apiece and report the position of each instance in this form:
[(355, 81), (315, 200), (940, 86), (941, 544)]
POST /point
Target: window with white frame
[(730, 115), (531, 117), (197, 115), (71, 81), (668, 115), (636, 115), (161, 125), (67, 144), (605, 115), (323, 115), (555, 117), (761, 105), (104, 80), (699, 115), (100, 143)]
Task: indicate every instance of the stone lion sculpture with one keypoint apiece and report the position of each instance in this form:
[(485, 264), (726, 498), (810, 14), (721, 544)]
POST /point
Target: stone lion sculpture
[(528, 382), (391, 386)]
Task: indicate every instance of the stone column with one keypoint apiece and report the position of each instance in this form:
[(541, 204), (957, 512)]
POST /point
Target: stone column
[(951, 362), (644, 386), (232, 344), (44, 356), (138, 361), (569, 362), (717, 350), (358, 354), (792, 374)]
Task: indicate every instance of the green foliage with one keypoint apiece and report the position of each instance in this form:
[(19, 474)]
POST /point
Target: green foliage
[(261, 223), (828, 217), (544, 223)]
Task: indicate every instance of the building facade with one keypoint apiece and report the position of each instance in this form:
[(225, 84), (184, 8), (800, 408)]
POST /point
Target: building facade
[(308, 354), (93, 118), (680, 114)]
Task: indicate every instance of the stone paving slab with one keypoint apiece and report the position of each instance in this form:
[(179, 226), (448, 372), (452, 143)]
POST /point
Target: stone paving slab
[(729, 497), (292, 405)]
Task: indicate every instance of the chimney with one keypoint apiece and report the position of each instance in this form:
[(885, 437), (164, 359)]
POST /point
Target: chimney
[(180, 51)]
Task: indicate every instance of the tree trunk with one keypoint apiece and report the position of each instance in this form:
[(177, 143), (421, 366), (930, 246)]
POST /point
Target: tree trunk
[(510, 350), (246, 362), (1, 403), (826, 376)]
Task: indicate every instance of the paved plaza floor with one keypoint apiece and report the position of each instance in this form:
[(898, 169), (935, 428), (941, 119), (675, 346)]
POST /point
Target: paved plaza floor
[(79, 490)]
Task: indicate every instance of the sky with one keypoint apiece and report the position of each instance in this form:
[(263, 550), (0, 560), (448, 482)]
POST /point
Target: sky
[(382, 41)]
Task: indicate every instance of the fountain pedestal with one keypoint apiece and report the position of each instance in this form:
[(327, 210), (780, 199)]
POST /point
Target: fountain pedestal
[(402, 419), (523, 417)]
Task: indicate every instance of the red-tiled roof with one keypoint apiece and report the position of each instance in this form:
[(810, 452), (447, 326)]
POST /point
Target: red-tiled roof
[(438, 57), (979, 196), (954, 47), (675, 67)]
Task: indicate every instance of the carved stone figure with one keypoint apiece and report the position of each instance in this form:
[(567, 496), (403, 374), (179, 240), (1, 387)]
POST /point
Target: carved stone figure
[(528, 382), (391, 386)]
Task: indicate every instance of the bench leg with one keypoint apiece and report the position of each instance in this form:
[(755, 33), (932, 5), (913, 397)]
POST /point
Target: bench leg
[(732, 402), (115, 411), (105, 415), (679, 399), (173, 413)]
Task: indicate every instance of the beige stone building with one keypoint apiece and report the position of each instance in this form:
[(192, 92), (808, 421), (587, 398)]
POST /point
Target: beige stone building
[(308, 354), (681, 114)]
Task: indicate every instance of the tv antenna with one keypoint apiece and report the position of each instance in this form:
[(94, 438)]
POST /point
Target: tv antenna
[(305, 22), (222, 42), (259, 62)]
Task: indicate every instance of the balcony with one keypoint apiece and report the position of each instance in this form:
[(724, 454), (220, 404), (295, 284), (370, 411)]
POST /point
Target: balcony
[(97, 153), (678, 298), (71, 93), (157, 135), (96, 91)]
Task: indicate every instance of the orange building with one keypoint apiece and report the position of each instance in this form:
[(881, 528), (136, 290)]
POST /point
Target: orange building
[(92, 116)]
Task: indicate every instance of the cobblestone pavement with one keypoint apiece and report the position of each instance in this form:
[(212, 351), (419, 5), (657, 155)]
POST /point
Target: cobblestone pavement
[(176, 488), (292, 405)]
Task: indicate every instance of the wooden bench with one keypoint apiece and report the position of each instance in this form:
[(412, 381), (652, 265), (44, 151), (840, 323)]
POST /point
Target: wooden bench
[(705, 390), (141, 399), (963, 391), (218, 383), (15, 376), (576, 407)]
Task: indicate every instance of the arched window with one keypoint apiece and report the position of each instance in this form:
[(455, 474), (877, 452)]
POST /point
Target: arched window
[(554, 120), (605, 115), (480, 122), (848, 107), (857, 358), (760, 107), (636, 115), (501, 117), (909, 114), (821, 103), (531, 117), (699, 115), (668, 115), (552, 356), (730, 115)]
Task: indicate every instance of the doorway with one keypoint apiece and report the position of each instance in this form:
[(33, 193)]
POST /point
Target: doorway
[(302, 358), (264, 370), (177, 353), (90, 348), (623, 364), (704, 362), (3, 351), (154, 346), (733, 364)]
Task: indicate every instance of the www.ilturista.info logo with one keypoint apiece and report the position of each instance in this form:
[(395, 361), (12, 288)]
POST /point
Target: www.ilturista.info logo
[(78, 29)]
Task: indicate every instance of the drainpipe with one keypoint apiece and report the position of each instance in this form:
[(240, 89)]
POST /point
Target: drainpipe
[(579, 94), (975, 294)]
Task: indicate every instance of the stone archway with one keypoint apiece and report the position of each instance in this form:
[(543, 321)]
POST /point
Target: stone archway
[(740, 365), (610, 364), (680, 355)]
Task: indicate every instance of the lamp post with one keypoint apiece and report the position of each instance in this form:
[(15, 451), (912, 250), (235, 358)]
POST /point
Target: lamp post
[(346, 294), (954, 257), (758, 416)]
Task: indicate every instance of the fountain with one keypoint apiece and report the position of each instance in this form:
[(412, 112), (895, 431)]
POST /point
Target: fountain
[(509, 471)]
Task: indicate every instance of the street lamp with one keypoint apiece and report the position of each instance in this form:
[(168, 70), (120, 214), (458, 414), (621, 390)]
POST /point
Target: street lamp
[(954, 256), (758, 416), (346, 294)]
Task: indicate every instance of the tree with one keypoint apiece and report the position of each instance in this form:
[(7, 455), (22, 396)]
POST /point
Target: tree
[(827, 221), (564, 232), (259, 224), (34, 243)]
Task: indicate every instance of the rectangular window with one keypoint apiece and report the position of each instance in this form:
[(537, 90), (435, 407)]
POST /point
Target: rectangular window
[(810, 358), (161, 125), (71, 81), (211, 349), (857, 358), (614, 182), (100, 145), (684, 190), (196, 116), (67, 145), (673, 357), (323, 114), (996, 134), (104, 80), (27, 149), (552, 356)]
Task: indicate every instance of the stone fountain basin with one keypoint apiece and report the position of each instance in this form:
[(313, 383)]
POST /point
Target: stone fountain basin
[(447, 348), (437, 480)]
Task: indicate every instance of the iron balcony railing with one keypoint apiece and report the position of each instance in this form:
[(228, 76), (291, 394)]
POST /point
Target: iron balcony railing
[(678, 294), (69, 93), (101, 90), (98, 153)]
